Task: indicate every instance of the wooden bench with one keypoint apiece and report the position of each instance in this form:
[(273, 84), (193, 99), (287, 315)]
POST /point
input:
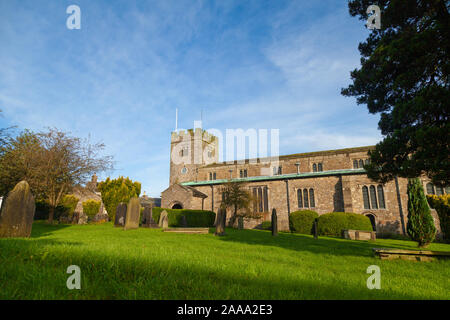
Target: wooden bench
[(412, 255), (188, 230)]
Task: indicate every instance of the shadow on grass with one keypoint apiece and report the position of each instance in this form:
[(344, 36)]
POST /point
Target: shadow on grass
[(300, 242), (122, 277), (42, 229)]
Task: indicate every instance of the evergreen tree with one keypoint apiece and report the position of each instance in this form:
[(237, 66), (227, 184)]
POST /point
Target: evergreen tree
[(404, 76), (420, 225)]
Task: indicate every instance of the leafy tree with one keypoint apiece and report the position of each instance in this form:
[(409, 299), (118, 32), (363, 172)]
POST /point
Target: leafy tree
[(238, 198), (404, 75), (115, 191), (52, 162), (420, 225)]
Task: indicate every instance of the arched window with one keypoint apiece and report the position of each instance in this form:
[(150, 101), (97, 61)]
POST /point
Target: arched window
[(355, 164), (430, 188), (300, 198), (361, 163), (367, 161), (311, 198), (439, 191), (305, 198), (314, 167), (210, 176), (320, 167), (214, 176), (365, 192), (373, 198), (380, 192)]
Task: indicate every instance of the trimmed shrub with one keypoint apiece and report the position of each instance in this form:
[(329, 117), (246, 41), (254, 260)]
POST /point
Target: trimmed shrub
[(266, 225), (91, 207), (302, 221), (193, 218), (420, 224), (442, 206), (332, 224), (156, 213)]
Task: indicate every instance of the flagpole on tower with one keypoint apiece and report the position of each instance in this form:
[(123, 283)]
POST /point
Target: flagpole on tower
[(176, 120)]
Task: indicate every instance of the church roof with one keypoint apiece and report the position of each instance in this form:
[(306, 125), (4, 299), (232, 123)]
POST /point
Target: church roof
[(296, 156), (277, 177)]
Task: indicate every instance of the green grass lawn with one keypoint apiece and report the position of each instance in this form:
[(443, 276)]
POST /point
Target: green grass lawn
[(245, 264)]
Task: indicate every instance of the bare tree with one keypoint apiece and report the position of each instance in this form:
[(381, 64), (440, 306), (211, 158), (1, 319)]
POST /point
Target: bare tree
[(52, 162)]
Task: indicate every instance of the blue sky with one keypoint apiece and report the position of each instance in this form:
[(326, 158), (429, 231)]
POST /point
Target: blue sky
[(247, 64)]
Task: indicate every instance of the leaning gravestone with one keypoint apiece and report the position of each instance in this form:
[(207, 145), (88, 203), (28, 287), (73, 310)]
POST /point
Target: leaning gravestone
[(121, 212), (220, 226), (16, 217), (133, 214), (274, 222), (164, 220)]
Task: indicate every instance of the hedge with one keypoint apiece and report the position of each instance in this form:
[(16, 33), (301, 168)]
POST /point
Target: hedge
[(65, 208), (442, 206), (332, 224), (302, 221), (91, 207), (194, 218)]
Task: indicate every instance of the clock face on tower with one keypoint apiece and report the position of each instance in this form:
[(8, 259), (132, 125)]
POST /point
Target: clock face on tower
[(184, 170)]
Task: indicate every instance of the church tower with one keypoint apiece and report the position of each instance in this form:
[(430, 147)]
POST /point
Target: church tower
[(190, 150)]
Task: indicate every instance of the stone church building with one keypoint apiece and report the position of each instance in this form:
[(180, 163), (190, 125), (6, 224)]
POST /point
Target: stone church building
[(323, 181)]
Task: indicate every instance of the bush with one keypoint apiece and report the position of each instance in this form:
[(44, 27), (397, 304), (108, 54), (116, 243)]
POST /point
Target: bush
[(302, 221), (156, 213), (332, 224), (420, 224), (91, 207), (442, 206), (193, 218), (116, 191), (65, 208), (266, 225)]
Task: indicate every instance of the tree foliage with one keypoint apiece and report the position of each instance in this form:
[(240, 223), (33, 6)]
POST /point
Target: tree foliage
[(404, 76), (115, 191), (91, 207), (236, 197), (420, 224), (52, 162)]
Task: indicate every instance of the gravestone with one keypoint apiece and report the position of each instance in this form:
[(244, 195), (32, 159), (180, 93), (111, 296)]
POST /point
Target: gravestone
[(121, 212), (164, 220), (17, 213), (147, 218), (220, 225), (133, 214), (274, 223), (316, 229)]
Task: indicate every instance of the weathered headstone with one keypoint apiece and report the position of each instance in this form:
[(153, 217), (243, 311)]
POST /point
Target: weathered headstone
[(17, 213), (133, 214), (241, 223), (164, 220), (274, 222), (147, 218), (316, 229), (121, 212), (220, 225)]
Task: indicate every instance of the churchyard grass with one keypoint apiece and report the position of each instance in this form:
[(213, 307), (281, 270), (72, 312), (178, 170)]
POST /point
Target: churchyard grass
[(244, 264)]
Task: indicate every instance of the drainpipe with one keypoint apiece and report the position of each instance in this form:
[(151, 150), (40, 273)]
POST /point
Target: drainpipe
[(287, 198), (212, 197), (400, 209)]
